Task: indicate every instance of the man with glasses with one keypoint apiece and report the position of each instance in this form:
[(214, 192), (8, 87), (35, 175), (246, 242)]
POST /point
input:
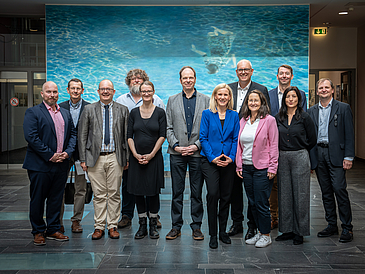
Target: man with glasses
[(131, 100), (75, 105), (240, 90), (103, 152)]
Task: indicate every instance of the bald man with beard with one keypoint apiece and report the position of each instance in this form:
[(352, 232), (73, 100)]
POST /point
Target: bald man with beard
[(51, 138)]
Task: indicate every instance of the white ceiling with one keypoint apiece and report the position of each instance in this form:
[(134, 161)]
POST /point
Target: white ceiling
[(320, 10)]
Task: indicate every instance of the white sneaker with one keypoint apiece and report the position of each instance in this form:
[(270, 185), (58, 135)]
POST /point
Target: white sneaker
[(264, 241), (254, 239)]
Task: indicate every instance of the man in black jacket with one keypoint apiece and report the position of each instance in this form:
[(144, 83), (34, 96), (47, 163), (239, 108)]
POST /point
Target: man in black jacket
[(75, 105), (332, 156), (240, 90)]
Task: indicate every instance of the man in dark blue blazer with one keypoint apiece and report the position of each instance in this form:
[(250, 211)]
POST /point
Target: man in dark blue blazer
[(240, 90), (284, 76), (332, 156), (51, 138), (75, 105)]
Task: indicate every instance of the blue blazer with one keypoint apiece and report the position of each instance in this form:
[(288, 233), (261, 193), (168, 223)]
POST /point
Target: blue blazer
[(40, 133), (274, 100), (341, 138), (215, 140)]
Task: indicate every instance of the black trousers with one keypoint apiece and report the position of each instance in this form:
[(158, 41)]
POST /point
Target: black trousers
[(128, 200), (46, 187), (219, 182), (332, 181), (237, 204), (178, 167)]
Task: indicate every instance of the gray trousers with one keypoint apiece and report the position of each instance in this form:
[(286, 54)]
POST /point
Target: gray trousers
[(79, 198), (294, 191)]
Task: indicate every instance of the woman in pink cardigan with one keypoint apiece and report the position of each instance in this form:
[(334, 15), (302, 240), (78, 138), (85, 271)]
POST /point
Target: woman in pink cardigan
[(257, 161)]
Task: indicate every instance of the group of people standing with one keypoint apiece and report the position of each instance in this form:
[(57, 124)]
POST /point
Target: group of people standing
[(229, 140)]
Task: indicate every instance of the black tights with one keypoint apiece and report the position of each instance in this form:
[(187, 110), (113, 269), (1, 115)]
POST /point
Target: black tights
[(150, 203)]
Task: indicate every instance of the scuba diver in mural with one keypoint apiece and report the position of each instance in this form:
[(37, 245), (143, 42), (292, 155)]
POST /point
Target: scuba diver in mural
[(219, 43)]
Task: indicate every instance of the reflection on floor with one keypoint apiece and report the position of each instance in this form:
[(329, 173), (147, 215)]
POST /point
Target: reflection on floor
[(183, 255)]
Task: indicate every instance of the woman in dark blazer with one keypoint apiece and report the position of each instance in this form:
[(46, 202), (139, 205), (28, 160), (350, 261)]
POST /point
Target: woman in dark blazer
[(218, 137), (297, 136)]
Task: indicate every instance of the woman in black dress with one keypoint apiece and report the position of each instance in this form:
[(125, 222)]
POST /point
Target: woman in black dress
[(146, 134)]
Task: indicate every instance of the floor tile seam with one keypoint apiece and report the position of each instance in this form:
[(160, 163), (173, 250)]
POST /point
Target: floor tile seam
[(341, 250), (221, 266), (14, 190), (289, 265)]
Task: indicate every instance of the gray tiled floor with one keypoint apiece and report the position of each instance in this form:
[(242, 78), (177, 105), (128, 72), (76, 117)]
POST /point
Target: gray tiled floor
[(183, 255)]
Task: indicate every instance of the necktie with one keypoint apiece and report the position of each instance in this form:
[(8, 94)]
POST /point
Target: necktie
[(107, 133)]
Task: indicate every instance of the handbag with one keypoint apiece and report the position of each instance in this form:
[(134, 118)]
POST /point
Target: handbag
[(70, 191)]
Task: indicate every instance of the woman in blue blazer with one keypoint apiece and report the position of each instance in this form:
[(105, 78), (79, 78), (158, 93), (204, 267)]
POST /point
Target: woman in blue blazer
[(218, 137)]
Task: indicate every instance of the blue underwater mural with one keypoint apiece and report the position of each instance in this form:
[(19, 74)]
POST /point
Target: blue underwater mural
[(93, 43)]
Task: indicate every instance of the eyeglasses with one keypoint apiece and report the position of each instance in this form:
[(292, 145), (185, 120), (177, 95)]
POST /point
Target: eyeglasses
[(244, 70), (106, 89), (146, 91), (254, 101)]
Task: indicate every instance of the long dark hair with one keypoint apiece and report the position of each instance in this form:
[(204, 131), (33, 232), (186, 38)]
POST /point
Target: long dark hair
[(263, 110), (283, 112)]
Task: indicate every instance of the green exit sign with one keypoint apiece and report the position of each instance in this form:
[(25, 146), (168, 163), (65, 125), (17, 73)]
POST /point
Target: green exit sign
[(320, 31)]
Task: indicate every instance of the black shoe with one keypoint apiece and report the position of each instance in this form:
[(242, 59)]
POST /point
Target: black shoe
[(142, 231), (346, 236), (328, 231), (224, 238), (235, 229), (153, 229), (298, 240), (213, 243), (285, 237), (251, 232)]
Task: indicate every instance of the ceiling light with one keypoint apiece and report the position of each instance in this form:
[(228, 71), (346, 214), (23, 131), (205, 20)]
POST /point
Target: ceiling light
[(343, 13)]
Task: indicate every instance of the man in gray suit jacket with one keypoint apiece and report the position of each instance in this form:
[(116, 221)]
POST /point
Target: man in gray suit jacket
[(332, 156), (183, 114), (103, 152), (75, 105), (240, 90)]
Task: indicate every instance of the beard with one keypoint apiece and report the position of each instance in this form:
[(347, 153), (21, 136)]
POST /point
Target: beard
[(134, 89)]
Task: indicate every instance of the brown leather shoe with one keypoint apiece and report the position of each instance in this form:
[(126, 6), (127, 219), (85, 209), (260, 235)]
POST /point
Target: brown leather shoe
[(58, 236), (98, 233), (124, 222), (113, 233), (274, 223), (62, 229), (173, 234), (198, 235), (76, 227), (39, 239), (159, 225)]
